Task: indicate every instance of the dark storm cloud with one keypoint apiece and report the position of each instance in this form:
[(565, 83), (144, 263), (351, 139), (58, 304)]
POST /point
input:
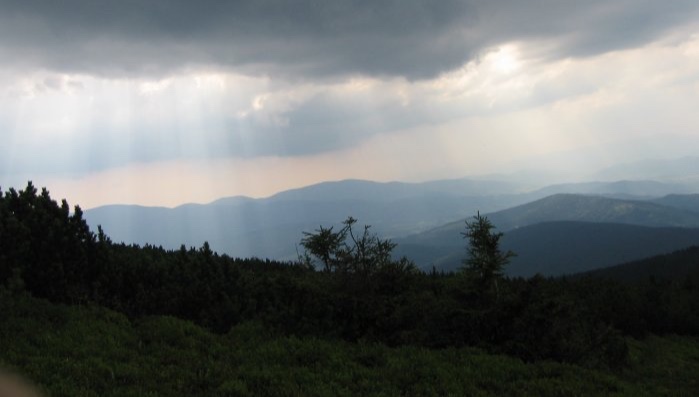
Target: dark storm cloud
[(309, 39)]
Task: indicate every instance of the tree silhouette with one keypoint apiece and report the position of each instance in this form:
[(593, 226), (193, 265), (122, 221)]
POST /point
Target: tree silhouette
[(347, 251), (486, 261)]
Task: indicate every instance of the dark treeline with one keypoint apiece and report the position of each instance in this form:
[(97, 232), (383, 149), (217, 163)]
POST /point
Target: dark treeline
[(355, 293)]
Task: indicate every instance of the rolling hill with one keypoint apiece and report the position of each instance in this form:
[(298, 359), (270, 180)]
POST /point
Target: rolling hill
[(557, 248), (675, 266), (566, 233), (353, 189), (570, 207), (684, 170), (564, 207), (564, 247), (618, 189), (689, 202), (272, 227)]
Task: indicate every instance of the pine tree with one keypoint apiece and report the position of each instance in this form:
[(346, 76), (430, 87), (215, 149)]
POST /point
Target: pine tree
[(486, 261)]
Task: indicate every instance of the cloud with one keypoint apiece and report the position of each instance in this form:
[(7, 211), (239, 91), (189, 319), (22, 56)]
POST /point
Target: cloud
[(76, 124), (315, 40), (389, 90)]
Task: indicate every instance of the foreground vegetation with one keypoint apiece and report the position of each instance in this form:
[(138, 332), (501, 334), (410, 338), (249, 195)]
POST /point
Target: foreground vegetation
[(90, 351), (86, 316)]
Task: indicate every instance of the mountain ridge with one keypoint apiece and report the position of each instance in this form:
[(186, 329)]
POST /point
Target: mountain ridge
[(569, 207), (563, 247), (272, 227)]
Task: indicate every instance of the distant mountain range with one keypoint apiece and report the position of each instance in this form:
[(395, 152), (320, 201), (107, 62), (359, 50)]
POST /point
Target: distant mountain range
[(689, 202), (618, 189), (683, 170), (564, 247), (273, 226), (567, 233), (360, 190), (425, 219), (568, 207)]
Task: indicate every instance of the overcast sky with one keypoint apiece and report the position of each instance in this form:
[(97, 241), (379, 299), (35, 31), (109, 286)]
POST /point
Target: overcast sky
[(164, 102)]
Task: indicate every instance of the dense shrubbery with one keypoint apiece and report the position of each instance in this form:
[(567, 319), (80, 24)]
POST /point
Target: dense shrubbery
[(51, 253), (81, 351)]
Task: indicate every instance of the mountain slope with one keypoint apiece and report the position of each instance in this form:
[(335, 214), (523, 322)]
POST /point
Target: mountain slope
[(570, 207), (681, 170), (628, 188), (689, 202), (676, 266), (353, 189), (556, 248), (564, 207), (272, 227)]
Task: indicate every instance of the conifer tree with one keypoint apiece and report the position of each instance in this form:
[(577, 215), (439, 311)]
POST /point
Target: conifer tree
[(486, 262)]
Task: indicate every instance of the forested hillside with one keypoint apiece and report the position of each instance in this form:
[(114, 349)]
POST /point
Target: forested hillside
[(689, 202), (682, 266), (572, 208), (347, 290), (566, 234)]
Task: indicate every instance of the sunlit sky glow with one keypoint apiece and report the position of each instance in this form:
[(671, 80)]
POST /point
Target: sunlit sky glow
[(141, 104)]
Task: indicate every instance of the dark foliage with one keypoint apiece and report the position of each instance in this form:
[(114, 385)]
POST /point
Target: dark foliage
[(486, 262), (87, 350), (360, 294)]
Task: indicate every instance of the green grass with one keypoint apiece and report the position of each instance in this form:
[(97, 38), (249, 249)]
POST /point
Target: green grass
[(91, 351)]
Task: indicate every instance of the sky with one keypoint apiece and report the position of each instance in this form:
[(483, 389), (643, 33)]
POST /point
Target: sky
[(157, 102)]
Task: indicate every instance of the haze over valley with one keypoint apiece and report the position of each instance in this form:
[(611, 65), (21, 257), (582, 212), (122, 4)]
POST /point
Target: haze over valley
[(632, 220)]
